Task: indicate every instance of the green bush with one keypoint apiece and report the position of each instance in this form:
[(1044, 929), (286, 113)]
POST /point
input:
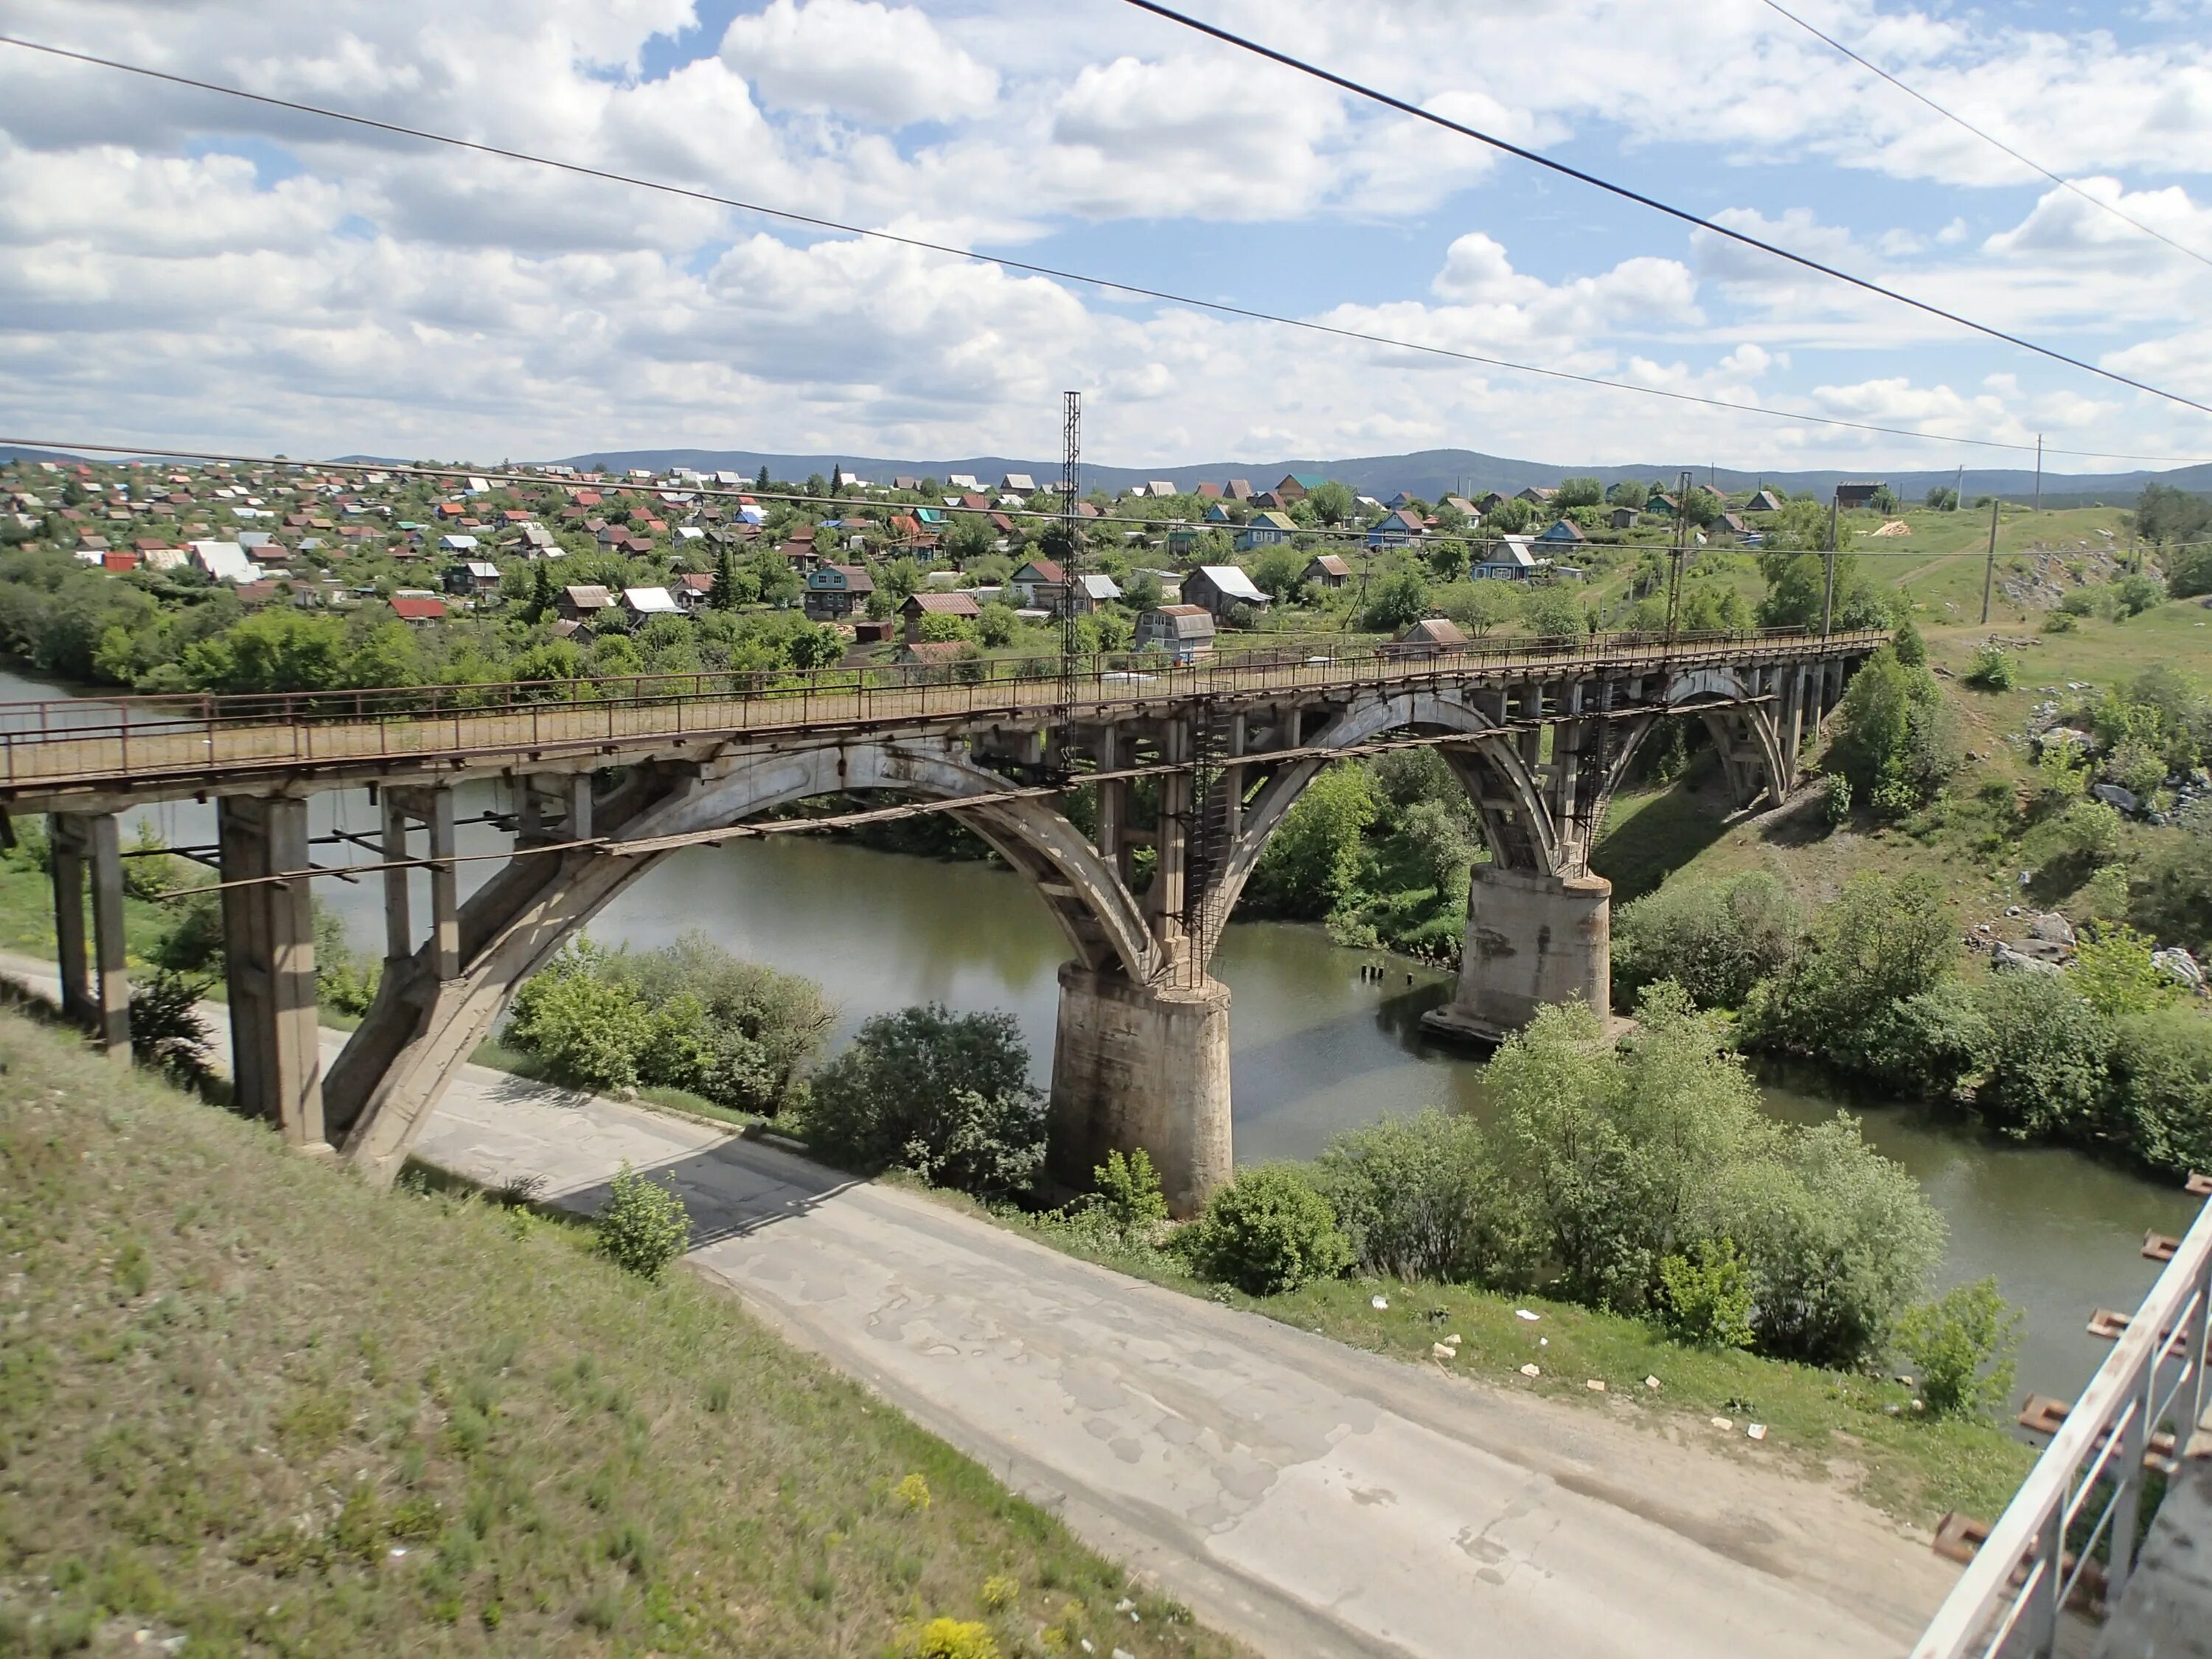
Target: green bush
[(589, 1030), (2047, 1059), (642, 1226), (1961, 1347), (1421, 1199), (1839, 1242), (1267, 1231), (1716, 940), (1928, 1046), (1129, 1195), (1894, 733), (1836, 799), (2161, 1067), (1994, 668), (1704, 1296), (946, 1094), (1882, 943), (953, 1638), (2134, 593)]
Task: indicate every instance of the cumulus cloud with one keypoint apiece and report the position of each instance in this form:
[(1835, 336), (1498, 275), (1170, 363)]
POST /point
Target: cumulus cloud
[(885, 65)]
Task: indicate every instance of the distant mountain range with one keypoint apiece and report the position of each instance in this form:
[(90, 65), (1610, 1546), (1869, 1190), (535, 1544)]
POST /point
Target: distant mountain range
[(1426, 473)]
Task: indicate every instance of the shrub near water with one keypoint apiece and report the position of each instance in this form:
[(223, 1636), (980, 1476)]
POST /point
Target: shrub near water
[(642, 1226), (1267, 1231), (1714, 940)]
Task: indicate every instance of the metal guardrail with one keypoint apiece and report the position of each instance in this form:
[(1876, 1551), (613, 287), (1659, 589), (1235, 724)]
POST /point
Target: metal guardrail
[(2085, 1491), (78, 740)]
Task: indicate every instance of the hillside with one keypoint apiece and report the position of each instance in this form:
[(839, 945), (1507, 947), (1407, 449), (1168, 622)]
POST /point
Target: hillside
[(248, 1405)]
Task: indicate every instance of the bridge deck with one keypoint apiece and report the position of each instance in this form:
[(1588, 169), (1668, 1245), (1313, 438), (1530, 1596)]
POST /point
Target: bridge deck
[(153, 745)]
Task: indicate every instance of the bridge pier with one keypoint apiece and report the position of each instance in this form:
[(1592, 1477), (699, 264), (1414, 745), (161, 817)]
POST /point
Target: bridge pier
[(1531, 939), (96, 986), (1141, 1065), (269, 950)]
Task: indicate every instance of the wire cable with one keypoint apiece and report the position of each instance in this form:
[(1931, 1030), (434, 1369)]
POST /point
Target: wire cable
[(1219, 307), (1359, 89), (1987, 138)]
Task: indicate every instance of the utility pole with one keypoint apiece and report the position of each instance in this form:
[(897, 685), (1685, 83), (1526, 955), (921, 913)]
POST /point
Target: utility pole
[(1989, 567), (2039, 472), (1071, 475), (1682, 548), (1828, 589), (1958, 490)]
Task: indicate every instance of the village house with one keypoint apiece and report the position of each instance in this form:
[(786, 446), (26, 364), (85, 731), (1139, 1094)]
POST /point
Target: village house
[(1762, 501), (1563, 533), (1215, 588), (1042, 583), (1851, 497), (1296, 486), (583, 603), (918, 606), (1185, 632), (833, 592), (418, 608), (1427, 640), (642, 605), (1326, 570), (1265, 530), (1092, 591), (1399, 528)]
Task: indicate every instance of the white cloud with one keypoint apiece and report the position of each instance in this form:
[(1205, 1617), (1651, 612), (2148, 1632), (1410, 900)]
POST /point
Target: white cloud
[(886, 64)]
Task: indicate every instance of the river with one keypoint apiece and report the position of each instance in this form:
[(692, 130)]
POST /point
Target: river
[(1315, 1048)]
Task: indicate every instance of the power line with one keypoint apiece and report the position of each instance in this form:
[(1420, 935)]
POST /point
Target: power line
[(1139, 290), (1359, 89), (1987, 138), (1474, 532)]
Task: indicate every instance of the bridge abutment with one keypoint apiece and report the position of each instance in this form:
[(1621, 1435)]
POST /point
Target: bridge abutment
[(1142, 1065), (1531, 939)]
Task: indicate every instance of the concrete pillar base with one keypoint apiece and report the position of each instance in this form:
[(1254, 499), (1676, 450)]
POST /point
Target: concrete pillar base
[(1142, 1066), (1531, 939), (268, 951)]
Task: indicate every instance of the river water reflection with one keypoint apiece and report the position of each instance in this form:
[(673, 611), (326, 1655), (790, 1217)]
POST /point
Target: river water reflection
[(1316, 1048)]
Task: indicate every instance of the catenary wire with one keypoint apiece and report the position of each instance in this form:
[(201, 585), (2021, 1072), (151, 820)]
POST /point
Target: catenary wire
[(542, 478), (1137, 290), (1360, 89), (1987, 138)]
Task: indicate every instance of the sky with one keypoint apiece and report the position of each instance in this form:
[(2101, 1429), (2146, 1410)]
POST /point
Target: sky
[(182, 268)]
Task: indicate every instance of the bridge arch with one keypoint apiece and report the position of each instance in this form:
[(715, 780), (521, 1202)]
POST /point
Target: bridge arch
[(1744, 733), (381, 1089), (1516, 824)]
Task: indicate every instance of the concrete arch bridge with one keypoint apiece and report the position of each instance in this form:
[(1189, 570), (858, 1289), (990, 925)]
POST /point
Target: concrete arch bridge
[(1198, 764)]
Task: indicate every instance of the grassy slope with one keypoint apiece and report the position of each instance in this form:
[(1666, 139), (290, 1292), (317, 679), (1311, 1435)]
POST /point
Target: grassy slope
[(246, 1398)]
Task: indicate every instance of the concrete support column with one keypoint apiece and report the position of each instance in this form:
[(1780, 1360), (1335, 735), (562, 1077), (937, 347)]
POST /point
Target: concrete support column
[(1531, 939), (1113, 802), (1142, 1066), (1164, 898), (434, 810), (95, 983), (269, 950)]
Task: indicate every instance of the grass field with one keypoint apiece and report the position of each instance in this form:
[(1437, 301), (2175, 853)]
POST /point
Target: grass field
[(247, 1401)]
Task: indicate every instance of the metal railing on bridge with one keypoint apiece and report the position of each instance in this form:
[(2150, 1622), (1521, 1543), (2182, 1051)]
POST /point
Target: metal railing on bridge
[(2076, 1515), (96, 738)]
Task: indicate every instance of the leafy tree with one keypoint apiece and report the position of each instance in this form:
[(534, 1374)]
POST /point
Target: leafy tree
[(2161, 1067), (1881, 944), (1479, 607), (2113, 972), (2165, 516), (1333, 503), (946, 1094), (938, 628), (1448, 558), (1510, 517), (589, 1030), (761, 483), (2046, 1070), (996, 625), (1421, 1199), (1552, 611), (1267, 1231), (1399, 599), (1716, 940), (818, 648), (1578, 492), (1144, 590), (1961, 1345), (1129, 1191), (1942, 498), (1311, 862), (970, 538), (1894, 732), (1630, 493), (1279, 571)]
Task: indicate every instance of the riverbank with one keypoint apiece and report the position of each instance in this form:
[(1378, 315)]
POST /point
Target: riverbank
[(255, 1404)]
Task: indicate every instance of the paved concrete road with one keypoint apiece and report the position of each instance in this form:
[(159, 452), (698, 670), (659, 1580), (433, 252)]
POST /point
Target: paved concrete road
[(1308, 1498)]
